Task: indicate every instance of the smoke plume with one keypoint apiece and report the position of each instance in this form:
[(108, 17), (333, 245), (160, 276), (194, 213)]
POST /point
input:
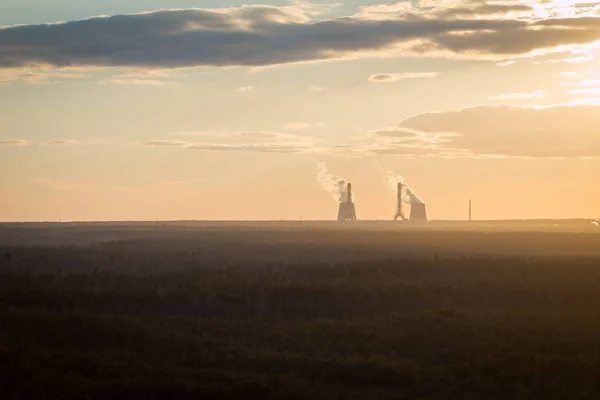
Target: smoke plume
[(334, 184), (392, 179)]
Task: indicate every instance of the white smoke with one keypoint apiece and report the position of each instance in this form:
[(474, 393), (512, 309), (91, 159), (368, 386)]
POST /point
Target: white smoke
[(334, 184), (409, 196), (392, 179)]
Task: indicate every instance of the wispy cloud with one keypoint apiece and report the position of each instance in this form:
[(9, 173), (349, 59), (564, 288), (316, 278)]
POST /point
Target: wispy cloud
[(164, 143), (314, 9), (61, 142), (573, 58), (13, 142), (587, 91), (446, 10), (240, 141), (394, 77), (506, 63), (518, 96), (142, 74), (569, 74), (589, 82), (135, 82), (588, 87), (399, 140), (317, 88), (248, 147), (37, 76), (489, 132), (246, 89), (139, 77), (398, 7)]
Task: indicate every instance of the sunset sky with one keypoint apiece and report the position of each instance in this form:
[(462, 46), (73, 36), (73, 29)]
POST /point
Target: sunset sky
[(222, 109)]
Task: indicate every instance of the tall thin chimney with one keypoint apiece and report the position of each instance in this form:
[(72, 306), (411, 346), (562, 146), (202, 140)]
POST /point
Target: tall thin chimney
[(349, 199), (399, 208), (399, 197), (470, 215)]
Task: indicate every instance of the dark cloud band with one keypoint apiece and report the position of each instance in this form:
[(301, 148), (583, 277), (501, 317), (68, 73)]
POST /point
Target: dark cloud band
[(261, 35)]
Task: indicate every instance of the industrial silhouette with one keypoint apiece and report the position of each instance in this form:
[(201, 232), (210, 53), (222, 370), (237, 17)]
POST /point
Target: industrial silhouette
[(399, 208), (470, 211), (418, 212), (347, 211)]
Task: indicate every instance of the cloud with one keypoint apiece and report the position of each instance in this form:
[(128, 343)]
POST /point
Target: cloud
[(589, 87), (163, 143), (60, 142), (314, 9), (588, 91), (487, 132), (246, 89), (571, 60), (506, 63), (13, 142), (388, 78), (482, 10), (517, 96), (446, 9), (139, 77), (517, 131), (585, 101), (317, 88), (36, 76), (252, 148), (265, 35), (399, 140), (136, 82), (589, 82), (570, 55), (142, 74), (569, 74), (240, 141)]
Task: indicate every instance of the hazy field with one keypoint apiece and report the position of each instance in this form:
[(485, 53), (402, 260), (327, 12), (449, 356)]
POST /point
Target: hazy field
[(486, 310)]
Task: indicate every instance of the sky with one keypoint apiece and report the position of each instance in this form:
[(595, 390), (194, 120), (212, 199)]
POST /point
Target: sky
[(224, 109)]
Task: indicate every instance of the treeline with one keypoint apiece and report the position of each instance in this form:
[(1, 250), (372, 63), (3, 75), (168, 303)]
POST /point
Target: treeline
[(77, 323), (289, 293), (432, 355)]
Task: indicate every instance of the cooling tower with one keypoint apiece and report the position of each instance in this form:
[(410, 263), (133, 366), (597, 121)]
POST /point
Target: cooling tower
[(347, 212), (418, 213), (399, 210)]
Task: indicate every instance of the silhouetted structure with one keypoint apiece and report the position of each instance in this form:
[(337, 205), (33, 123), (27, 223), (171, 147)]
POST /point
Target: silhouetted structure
[(347, 211), (399, 208), (418, 213), (470, 215)]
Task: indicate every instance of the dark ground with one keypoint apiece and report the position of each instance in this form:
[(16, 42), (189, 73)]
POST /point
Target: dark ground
[(300, 311)]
